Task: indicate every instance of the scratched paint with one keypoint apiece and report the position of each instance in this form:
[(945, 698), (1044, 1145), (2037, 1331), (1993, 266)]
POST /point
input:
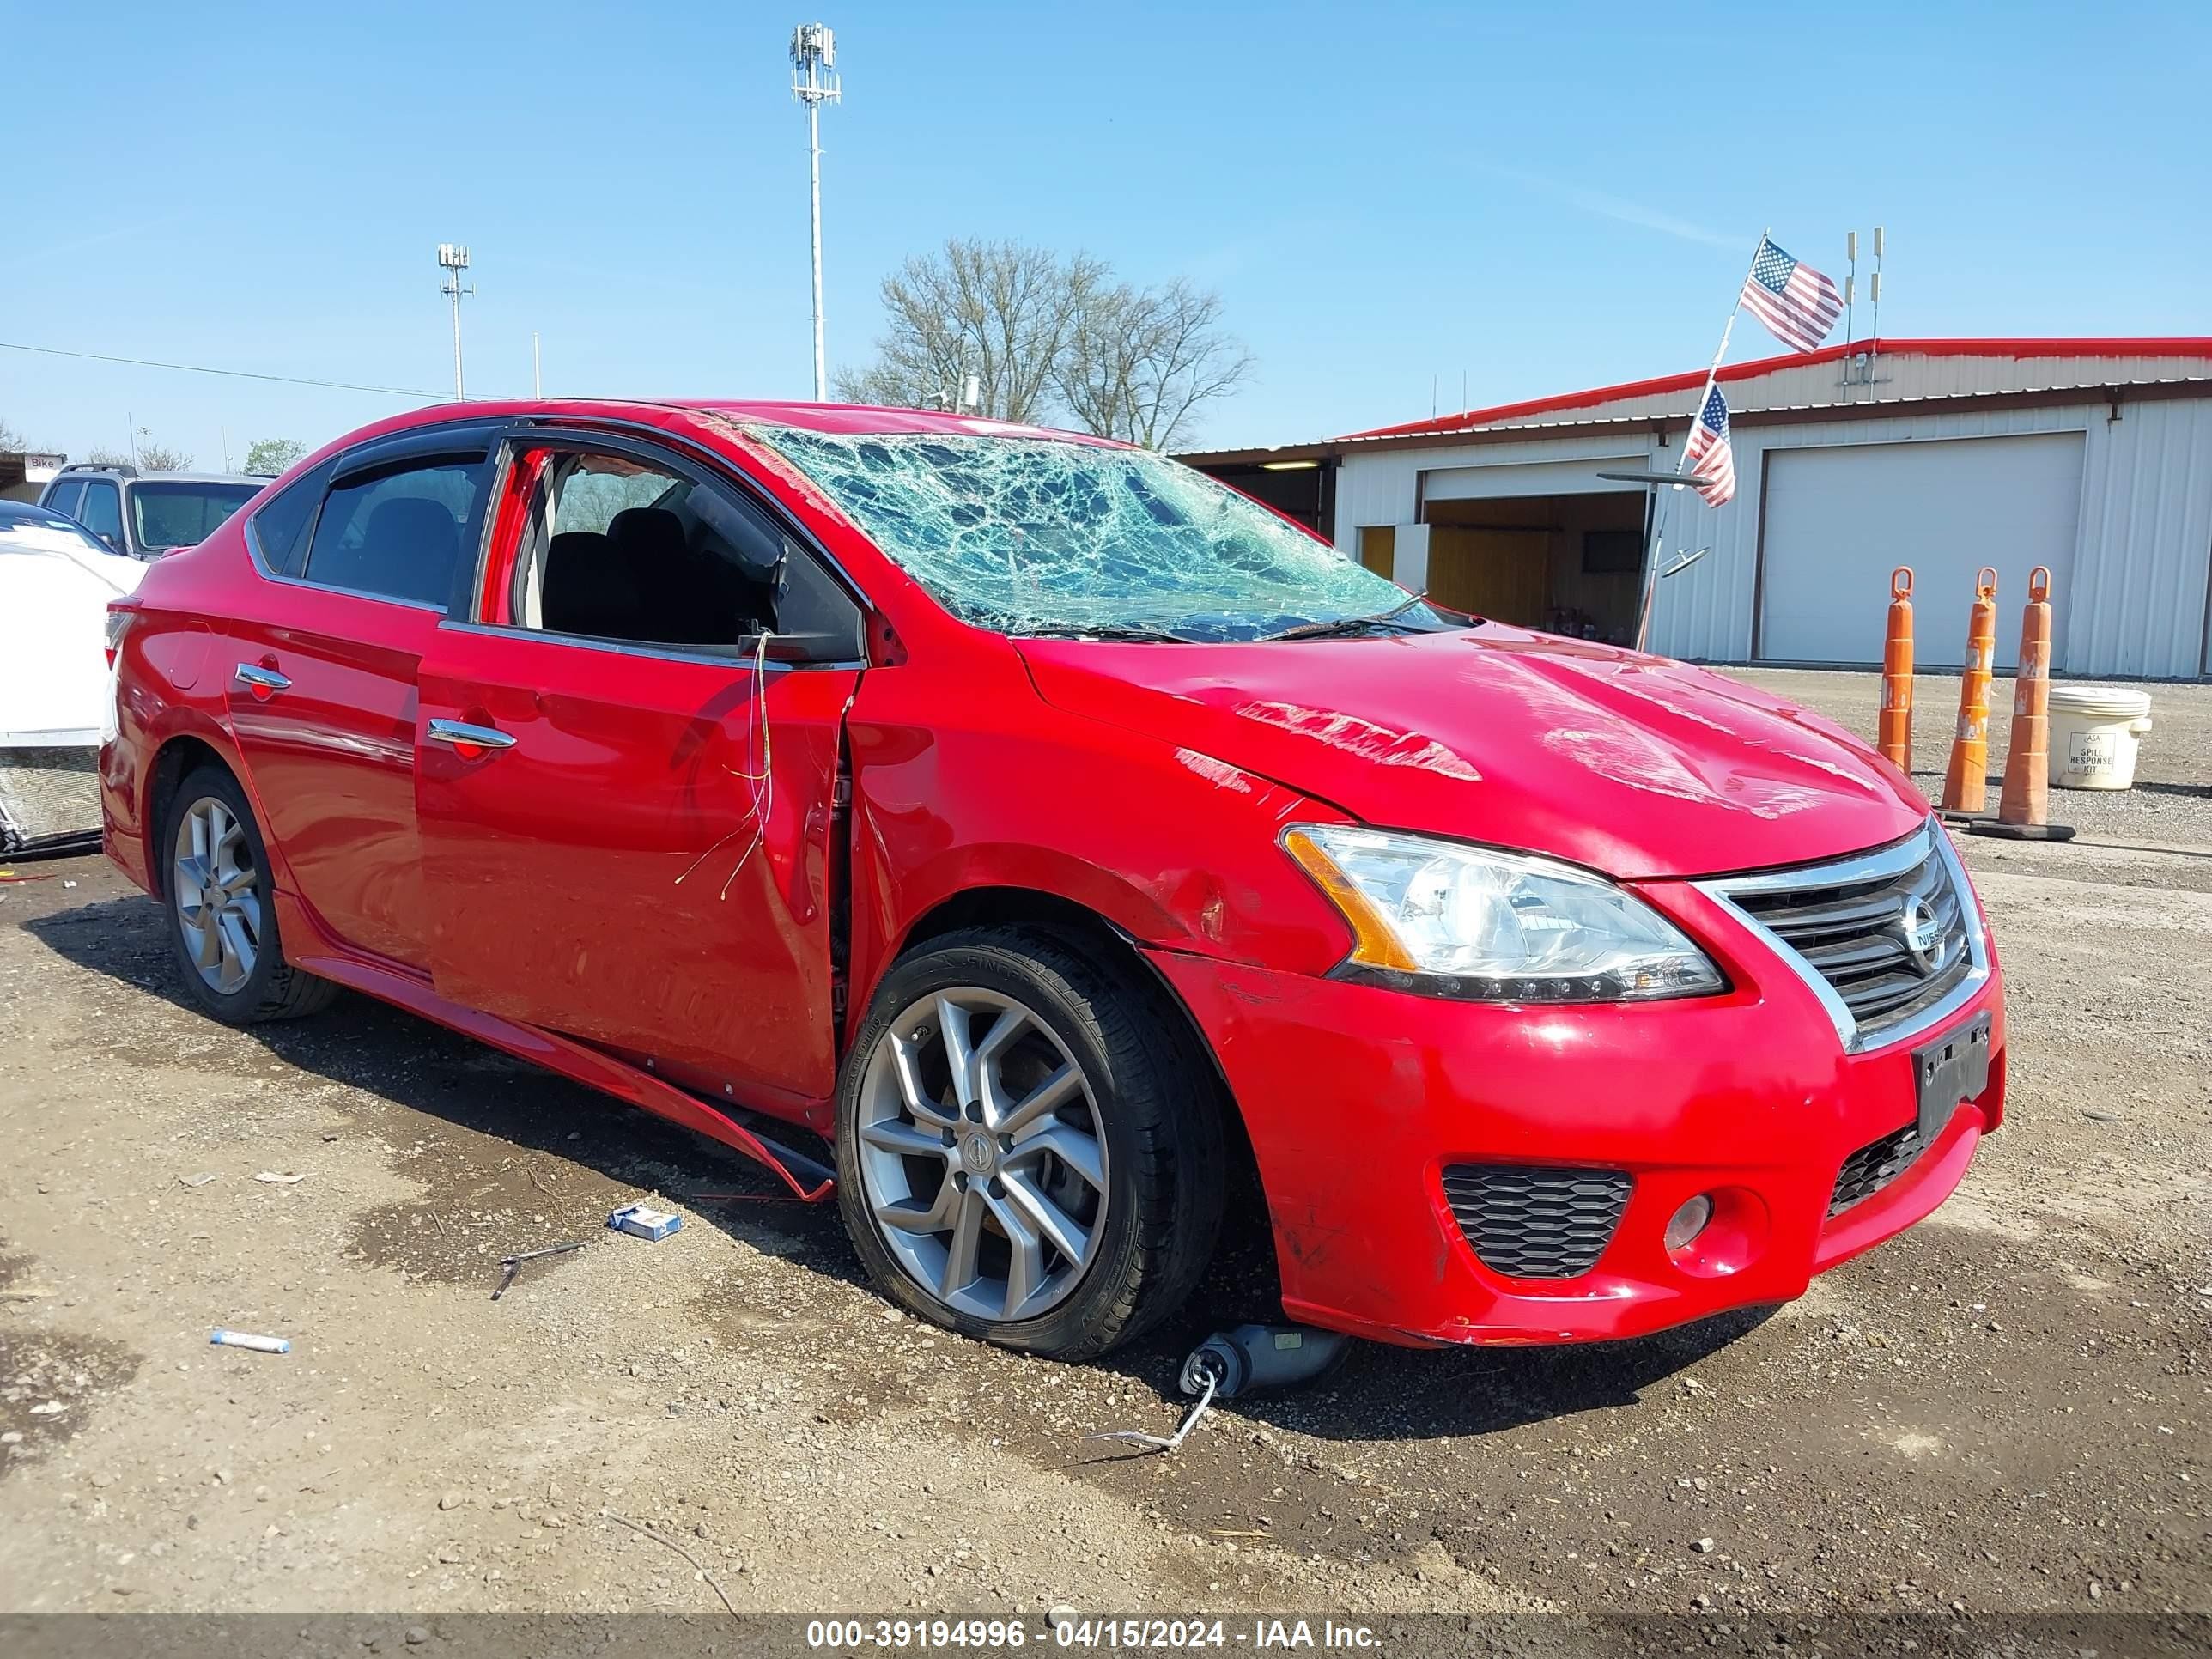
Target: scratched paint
[(1364, 737), (1218, 773)]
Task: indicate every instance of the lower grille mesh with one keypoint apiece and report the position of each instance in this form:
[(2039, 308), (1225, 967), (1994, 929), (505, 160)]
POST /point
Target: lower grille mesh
[(1873, 1166), (1536, 1223)]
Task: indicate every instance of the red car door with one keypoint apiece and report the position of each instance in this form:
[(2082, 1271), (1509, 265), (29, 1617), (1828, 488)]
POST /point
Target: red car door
[(320, 678), (627, 808)]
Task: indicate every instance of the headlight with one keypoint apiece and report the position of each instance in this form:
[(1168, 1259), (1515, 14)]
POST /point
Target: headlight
[(1460, 921)]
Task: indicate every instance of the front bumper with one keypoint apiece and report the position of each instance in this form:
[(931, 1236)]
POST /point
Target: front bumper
[(1356, 1099)]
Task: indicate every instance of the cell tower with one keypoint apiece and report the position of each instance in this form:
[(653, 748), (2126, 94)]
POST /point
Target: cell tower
[(454, 259), (813, 82)]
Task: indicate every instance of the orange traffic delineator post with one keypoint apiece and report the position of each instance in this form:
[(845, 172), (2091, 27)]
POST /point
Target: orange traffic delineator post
[(2024, 802), (1896, 718), (1966, 786)]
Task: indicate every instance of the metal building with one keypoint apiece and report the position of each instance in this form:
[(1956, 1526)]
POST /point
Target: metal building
[(2093, 457)]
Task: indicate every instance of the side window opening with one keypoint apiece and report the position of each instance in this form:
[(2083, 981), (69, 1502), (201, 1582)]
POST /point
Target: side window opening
[(398, 534), (102, 512), (617, 549)]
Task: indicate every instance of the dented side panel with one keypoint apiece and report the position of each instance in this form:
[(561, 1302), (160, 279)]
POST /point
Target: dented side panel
[(965, 779), (649, 866)]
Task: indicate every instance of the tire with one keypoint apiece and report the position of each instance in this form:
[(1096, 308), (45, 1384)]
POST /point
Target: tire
[(242, 908), (1155, 1112)]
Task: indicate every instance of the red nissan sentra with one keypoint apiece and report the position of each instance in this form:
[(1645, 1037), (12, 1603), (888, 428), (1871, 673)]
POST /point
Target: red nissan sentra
[(1014, 833)]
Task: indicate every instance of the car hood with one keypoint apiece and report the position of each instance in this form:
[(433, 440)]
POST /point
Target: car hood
[(1633, 765)]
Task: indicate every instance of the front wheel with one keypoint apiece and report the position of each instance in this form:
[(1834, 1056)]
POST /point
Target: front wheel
[(1027, 1149)]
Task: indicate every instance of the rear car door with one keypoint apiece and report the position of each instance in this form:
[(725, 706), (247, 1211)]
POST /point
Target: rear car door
[(364, 554), (626, 780)]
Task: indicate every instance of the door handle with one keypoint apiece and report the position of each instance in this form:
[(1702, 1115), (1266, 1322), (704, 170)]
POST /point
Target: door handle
[(264, 683), (465, 737)]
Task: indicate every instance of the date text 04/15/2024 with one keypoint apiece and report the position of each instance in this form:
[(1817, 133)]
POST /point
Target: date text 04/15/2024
[(1109, 1635)]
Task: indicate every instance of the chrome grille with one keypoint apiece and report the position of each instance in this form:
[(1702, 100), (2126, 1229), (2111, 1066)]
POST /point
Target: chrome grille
[(1890, 936), (1536, 1223)]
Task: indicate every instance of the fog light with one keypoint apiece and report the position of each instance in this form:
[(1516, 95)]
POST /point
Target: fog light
[(1689, 1221)]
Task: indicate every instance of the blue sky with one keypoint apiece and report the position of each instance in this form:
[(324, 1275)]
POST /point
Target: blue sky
[(1537, 200)]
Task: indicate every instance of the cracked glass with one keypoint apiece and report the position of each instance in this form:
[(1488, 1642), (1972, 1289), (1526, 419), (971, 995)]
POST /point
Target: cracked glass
[(1042, 536)]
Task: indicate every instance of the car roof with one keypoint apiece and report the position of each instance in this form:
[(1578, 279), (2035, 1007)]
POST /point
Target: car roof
[(876, 419), (22, 512), (199, 477), (849, 419)]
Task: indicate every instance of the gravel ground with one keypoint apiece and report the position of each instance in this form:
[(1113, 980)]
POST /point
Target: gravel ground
[(2004, 1409), (2172, 801)]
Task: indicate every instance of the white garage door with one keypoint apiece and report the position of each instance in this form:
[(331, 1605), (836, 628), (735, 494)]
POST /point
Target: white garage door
[(1838, 520)]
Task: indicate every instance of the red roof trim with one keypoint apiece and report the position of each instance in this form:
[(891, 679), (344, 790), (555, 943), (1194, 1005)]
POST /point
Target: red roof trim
[(2169, 346)]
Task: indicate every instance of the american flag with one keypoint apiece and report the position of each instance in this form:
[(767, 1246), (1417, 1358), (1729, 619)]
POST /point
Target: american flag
[(1798, 305), (1712, 463)]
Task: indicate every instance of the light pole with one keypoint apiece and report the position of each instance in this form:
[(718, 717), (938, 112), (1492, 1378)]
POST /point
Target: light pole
[(813, 79), (454, 259)]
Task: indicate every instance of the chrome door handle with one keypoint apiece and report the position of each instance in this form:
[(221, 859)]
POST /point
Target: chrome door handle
[(262, 682), (462, 735)]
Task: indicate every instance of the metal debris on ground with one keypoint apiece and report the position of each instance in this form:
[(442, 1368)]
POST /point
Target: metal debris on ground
[(1229, 1362), (510, 1265), (1167, 1443), (271, 1176), (221, 1338), (642, 1223), (195, 1181)]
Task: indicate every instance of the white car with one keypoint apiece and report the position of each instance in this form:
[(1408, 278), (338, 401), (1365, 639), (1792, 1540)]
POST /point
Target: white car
[(57, 579)]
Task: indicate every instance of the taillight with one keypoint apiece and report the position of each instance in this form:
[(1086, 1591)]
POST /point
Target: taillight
[(119, 619)]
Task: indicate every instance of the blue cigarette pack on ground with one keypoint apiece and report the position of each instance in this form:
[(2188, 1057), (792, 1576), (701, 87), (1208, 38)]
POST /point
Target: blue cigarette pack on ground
[(642, 1223)]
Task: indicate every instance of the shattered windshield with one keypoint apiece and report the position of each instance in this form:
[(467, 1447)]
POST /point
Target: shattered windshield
[(1042, 536)]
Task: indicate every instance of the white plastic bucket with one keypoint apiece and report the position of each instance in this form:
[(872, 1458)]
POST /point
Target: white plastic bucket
[(2094, 731)]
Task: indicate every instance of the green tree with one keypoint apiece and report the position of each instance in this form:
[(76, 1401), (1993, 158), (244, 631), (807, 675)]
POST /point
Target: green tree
[(267, 456)]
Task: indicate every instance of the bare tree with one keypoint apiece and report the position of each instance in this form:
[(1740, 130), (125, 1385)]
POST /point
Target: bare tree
[(998, 311), (101, 455), (1049, 335), (1141, 362), (160, 457), (12, 442)]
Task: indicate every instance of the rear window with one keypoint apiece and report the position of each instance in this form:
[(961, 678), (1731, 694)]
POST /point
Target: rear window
[(398, 536), (64, 497), (179, 515), (280, 528), (28, 529)]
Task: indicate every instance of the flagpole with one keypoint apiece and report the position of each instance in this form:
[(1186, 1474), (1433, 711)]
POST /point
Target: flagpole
[(1664, 497)]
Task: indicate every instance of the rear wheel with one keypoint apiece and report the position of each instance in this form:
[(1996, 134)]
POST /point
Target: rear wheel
[(1027, 1150), (223, 917)]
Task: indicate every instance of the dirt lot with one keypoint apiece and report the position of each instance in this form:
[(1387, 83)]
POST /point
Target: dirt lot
[(2005, 1409)]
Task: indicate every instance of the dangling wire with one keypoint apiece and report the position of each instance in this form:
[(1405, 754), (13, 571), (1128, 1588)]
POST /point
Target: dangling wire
[(762, 782), (1167, 1443)]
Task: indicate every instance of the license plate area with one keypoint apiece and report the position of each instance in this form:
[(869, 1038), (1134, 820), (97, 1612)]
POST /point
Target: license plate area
[(1947, 1072)]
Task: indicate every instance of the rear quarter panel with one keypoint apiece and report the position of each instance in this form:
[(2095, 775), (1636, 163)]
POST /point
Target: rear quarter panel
[(170, 684)]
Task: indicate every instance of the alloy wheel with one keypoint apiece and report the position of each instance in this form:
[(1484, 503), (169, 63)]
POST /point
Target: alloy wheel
[(982, 1155), (216, 889)]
